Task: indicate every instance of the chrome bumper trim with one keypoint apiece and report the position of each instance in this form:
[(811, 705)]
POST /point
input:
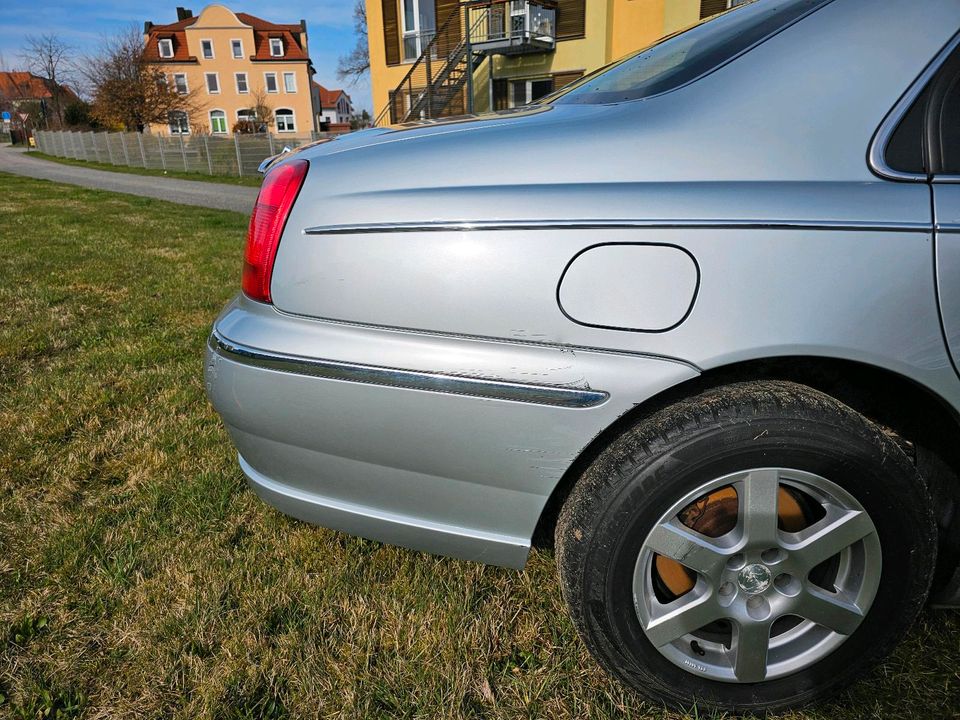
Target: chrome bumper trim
[(407, 379)]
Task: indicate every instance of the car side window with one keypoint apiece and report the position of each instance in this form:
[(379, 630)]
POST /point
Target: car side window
[(942, 122), (927, 139), (905, 151)]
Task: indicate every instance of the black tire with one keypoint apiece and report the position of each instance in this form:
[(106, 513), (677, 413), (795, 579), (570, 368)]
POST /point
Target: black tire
[(650, 467)]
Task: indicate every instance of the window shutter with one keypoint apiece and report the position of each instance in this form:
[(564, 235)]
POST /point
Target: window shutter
[(565, 78), (501, 94), (391, 31), (712, 7), (571, 19), (444, 9)]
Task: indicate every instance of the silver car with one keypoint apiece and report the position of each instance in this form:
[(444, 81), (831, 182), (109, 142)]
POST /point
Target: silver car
[(695, 317)]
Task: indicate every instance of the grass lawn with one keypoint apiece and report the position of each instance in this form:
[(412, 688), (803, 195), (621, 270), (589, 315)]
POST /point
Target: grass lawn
[(248, 180), (138, 576)]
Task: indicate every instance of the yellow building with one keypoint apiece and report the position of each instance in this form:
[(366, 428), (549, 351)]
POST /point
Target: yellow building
[(229, 61), (521, 49)]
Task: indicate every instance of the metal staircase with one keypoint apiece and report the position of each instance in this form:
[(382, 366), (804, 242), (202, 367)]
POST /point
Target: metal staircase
[(439, 82)]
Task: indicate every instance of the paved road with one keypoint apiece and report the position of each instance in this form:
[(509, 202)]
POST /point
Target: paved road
[(188, 192)]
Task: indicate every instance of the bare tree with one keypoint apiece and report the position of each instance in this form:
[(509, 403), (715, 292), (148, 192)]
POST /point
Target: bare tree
[(259, 116), (128, 90), (354, 66), (51, 58)]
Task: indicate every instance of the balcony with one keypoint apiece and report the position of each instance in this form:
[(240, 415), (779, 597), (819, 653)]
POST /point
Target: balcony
[(512, 27)]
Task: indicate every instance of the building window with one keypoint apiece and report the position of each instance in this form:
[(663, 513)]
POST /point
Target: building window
[(524, 92), (270, 80), (242, 86), (218, 122), (247, 120), (206, 49), (285, 121), (180, 83), (236, 47), (419, 26), (289, 82), (276, 47), (178, 122), (166, 48), (213, 83)]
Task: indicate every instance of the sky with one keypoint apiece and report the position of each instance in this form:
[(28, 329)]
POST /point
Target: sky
[(84, 23)]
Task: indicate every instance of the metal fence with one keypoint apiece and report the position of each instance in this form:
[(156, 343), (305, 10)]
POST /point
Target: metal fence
[(239, 155)]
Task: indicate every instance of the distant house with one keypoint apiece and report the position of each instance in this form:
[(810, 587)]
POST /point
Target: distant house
[(335, 108), (23, 92), (229, 61)]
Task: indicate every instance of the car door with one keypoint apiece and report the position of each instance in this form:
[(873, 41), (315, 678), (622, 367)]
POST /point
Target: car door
[(942, 144)]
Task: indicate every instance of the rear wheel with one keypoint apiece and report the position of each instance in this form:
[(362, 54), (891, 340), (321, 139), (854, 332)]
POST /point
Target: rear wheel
[(756, 547)]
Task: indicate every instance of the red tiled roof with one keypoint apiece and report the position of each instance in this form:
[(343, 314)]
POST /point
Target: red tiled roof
[(27, 86), (328, 98), (263, 30), (291, 45), (175, 32)]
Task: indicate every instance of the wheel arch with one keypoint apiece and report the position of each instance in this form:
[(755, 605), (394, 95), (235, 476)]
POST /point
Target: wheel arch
[(927, 428)]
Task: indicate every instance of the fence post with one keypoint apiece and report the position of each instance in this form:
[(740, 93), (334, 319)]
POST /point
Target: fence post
[(106, 137), (206, 147), (183, 154), (270, 139), (236, 143), (123, 144), (163, 160), (143, 155)]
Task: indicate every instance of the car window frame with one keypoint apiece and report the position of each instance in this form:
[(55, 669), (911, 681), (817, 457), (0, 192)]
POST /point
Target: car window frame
[(877, 152)]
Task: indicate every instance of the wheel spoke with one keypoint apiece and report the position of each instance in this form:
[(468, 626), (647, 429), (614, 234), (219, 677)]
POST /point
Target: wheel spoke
[(676, 542), (829, 610), (751, 641), (759, 493), (682, 616), (836, 532)]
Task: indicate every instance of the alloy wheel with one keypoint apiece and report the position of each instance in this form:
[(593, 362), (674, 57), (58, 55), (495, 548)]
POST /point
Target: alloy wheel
[(757, 575)]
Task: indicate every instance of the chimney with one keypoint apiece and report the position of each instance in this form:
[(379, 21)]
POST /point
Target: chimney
[(183, 13)]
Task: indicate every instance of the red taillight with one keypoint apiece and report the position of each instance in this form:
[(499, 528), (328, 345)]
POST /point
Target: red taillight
[(277, 194)]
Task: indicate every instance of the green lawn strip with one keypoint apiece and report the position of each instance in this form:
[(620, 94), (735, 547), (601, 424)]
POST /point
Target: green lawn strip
[(140, 578), (247, 180)]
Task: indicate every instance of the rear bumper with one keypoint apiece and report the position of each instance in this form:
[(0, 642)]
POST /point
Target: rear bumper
[(448, 445)]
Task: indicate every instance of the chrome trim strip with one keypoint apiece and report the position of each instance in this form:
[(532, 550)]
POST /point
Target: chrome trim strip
[(948, 228), (878, 146), (492, 225), (407, 379)]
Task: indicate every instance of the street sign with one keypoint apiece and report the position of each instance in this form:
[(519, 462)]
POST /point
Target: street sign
[(5, 115), (24, 117)]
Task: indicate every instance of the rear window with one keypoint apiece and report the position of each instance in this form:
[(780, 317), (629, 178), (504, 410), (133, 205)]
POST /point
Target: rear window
[(682, 58)]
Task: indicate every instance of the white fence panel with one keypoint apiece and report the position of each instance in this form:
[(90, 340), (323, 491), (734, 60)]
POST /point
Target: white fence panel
[(207, 154)]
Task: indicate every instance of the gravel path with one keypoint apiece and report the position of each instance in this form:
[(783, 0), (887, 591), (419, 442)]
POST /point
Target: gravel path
[(187, 192)]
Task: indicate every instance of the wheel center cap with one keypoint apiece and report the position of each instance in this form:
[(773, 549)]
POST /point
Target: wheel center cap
[(754, 579)]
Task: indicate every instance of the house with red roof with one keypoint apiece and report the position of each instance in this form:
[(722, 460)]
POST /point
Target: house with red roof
[(334, 109), (230, 63), (24, 92)]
